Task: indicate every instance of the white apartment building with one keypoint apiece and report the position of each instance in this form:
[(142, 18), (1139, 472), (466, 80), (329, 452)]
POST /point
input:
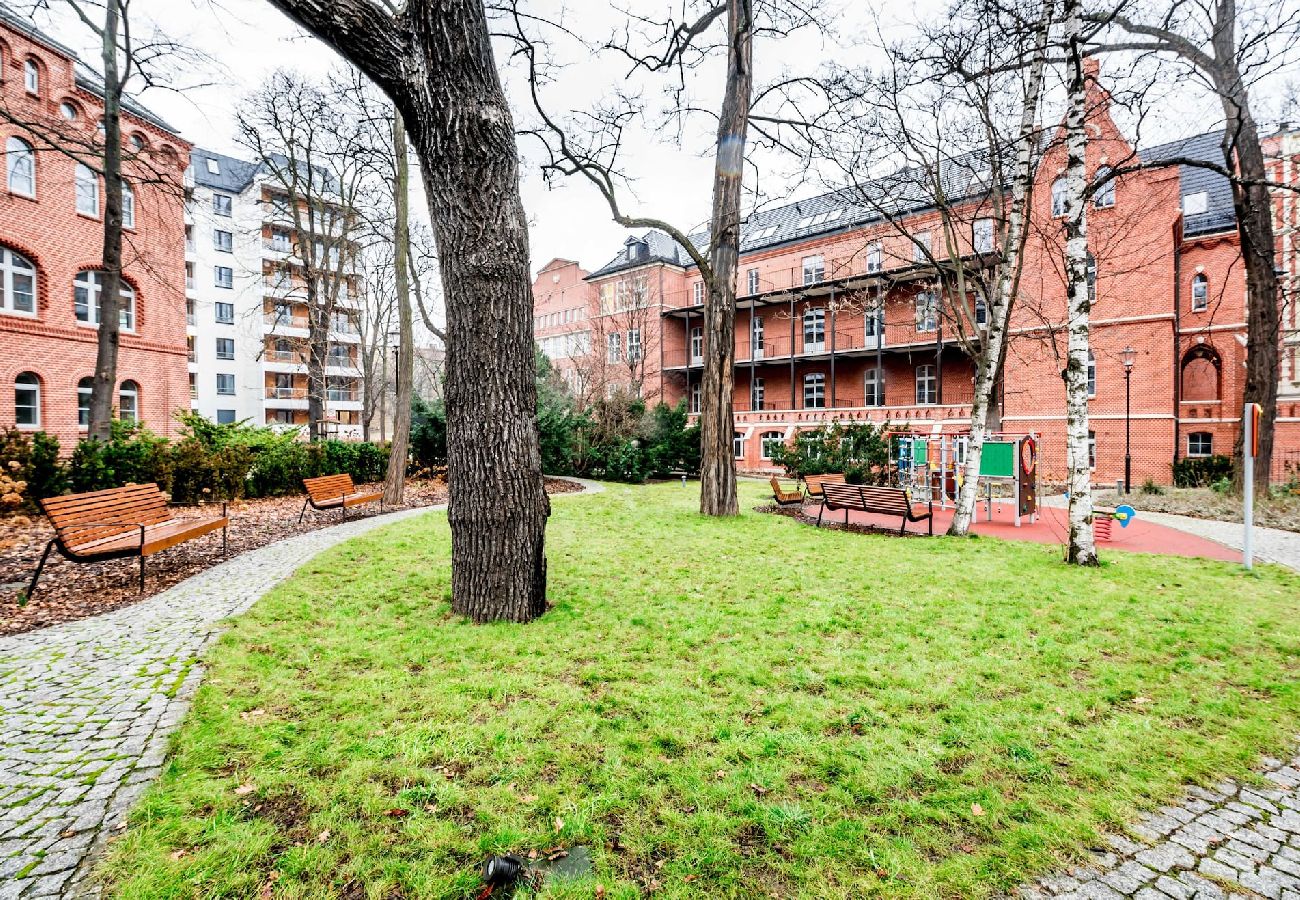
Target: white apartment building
[(247, 318)]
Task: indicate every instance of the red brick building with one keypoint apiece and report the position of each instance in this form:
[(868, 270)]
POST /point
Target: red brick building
[(51, 237), (840, 316)]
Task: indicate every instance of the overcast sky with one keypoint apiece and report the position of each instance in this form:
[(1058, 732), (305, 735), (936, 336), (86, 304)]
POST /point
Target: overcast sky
[(669, 178)]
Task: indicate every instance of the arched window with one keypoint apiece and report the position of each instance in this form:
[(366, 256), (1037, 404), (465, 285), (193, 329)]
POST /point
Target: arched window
[(27, 400), (770, 442), (1200, 293), (84, 387), (69, 111), (86, 300), (738, 444), (1104, 197), (87, 191), (1092, 374), (1059, 197), (20, 163), (128, 402), (17, 283), (1200, 375), (128, 206), (137, 142), (32, 77), (814, 330)]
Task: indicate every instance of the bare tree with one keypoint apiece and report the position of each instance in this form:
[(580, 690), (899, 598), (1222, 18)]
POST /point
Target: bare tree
[(395, 480), (434, 60)]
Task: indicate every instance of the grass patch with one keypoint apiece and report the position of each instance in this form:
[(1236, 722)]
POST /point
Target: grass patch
[(719, 708)]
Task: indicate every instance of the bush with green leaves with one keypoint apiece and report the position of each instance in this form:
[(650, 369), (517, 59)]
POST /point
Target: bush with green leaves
[(860, 450), (428, 434), (1202, 471), (32, 458)]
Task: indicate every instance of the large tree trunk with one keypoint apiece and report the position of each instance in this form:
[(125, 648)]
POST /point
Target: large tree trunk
[(1081, 549), (434, 60), (317, 344), (993, 345), (104, 385), (717, 423), (395, 482)]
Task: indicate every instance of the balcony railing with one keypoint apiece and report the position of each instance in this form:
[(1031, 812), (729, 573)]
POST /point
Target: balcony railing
[(285, 356), (777, 346), (283, 321), (339, 394), (286, 393)]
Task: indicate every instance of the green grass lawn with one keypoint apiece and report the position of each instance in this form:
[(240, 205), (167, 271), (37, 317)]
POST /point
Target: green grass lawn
[(735, 708)]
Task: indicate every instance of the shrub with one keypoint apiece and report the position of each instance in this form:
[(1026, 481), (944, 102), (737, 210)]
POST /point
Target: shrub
[(46, 474), (428, 434), (858, 449), (1150, 487), (1202, 470)]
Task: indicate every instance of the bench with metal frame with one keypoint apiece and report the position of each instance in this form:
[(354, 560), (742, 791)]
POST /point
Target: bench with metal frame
[(119, 523), (812, 484), (867, 498), (784, 497), (336, 492)]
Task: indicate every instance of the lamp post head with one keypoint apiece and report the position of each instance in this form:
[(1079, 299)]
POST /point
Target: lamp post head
[(1129, 356)]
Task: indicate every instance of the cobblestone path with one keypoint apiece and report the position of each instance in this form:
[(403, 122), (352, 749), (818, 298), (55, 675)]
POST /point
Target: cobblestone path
[(86, 709), (1231, 841)]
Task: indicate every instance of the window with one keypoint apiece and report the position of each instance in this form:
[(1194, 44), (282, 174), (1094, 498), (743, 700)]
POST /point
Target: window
[(1200, 443), (189, 238), (128, 206), (20, 163), (86, 289), (1196, 204), (874, 384), (738, 444), (814, 269), (756, 394), (927, 317), (214, 167), (32, 77), (981, 312), (223, 241), (753, 281), (27, 401), (84, 388), (68, 110), (1060, 197), (280, 241), (87, 191), (614, 347), (1092, 278), (770, 442), (814, 330), (873, 325), (137, 143), (698, 295), (927, 386), (697, 345), (17, 283), (633, 344), (223, 276), (982, 234), (128, 402), (221, 204), (1092, 449), (1201, 382), (225, 348), (1200, 293), (225, 313), (873, 257), (225, 384), (1104, 196), (696, 397), (921, 247), (756, 336), (227, 416), (190, 352), (1092, 374), (814, 391)]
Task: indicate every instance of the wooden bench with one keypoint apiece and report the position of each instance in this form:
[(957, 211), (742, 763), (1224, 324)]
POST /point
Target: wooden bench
[(784, 497), (812, 484), (889, 501), (335, 492), (117, 523)]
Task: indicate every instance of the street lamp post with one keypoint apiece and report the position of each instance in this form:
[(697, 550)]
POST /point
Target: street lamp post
[(1128, 355)]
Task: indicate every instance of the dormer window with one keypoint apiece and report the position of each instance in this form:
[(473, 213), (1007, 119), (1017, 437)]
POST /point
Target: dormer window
[(213, 167), (31, 77), (1196, 204)]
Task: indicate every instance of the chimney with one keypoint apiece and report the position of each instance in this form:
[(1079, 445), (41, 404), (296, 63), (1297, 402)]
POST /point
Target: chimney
[(1091, 67)]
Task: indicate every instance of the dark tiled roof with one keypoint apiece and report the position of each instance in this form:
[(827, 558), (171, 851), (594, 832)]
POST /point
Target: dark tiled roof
[(653, 246), (1219, 214), (234, 175)]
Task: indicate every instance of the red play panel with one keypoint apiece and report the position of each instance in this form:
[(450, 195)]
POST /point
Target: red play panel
[(1051, 528)]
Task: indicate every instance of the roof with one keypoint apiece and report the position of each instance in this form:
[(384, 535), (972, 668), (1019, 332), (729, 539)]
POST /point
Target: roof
[(653, 246), (233, 175), (1220, 214), (87, 78)]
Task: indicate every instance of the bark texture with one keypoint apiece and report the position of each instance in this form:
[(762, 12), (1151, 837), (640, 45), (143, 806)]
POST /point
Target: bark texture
[(434, 60), (717, 421), (395, 480), (1081, 549)]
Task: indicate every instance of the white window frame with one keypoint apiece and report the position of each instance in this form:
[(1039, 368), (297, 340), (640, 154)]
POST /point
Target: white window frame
[(767, 439), (873, 387), (129, 389), (28, 383), (614, 347), (757, 337), (10, 271), (224, 343), (91, 282), (982, 235), (698, 295), (1092, 375), (85, 387), (31, 76), (1196, 204), (633, 344), (814, 269), (225, 378), (752, 276), (1060, 198), (20, 167), (696, 397), (814, 388), (757, 393), (738, 444), (1201, 287), (226, 283), (1104, 196), (128, 207), (921, 247), (874, 258), (226, 209), (1208, 449), (927, 312), (218, 307), (87, 189), (927, 385), (697, 344), (1092, 450), (814, 324), (223, 241)]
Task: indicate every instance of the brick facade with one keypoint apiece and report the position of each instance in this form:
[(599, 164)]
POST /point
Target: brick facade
[(1167, 285), (60, 242)]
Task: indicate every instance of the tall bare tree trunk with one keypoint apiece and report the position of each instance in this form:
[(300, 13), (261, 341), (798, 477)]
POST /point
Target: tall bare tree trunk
[(1081, 549), (717, 422), (395, 482), (318, 323), (988, 362), (104, 385)]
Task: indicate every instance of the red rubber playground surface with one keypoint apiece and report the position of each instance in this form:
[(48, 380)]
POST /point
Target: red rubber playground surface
[(1051, 528)]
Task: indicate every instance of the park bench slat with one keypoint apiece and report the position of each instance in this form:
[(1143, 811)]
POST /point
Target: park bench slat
[(813, 483), (870, 498), (783, 496), (336, 492)]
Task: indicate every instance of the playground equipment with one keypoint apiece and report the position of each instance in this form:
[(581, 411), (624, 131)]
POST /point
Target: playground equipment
[(933, 467), (1101, 519)]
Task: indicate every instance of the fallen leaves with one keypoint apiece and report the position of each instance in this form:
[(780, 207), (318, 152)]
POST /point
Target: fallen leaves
[(976, 809), (245, 789)]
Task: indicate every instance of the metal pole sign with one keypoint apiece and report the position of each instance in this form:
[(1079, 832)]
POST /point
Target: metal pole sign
[(1249, 447)]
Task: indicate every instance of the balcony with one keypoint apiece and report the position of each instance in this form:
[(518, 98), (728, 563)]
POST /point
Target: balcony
[(776, 348), (274, 392)]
